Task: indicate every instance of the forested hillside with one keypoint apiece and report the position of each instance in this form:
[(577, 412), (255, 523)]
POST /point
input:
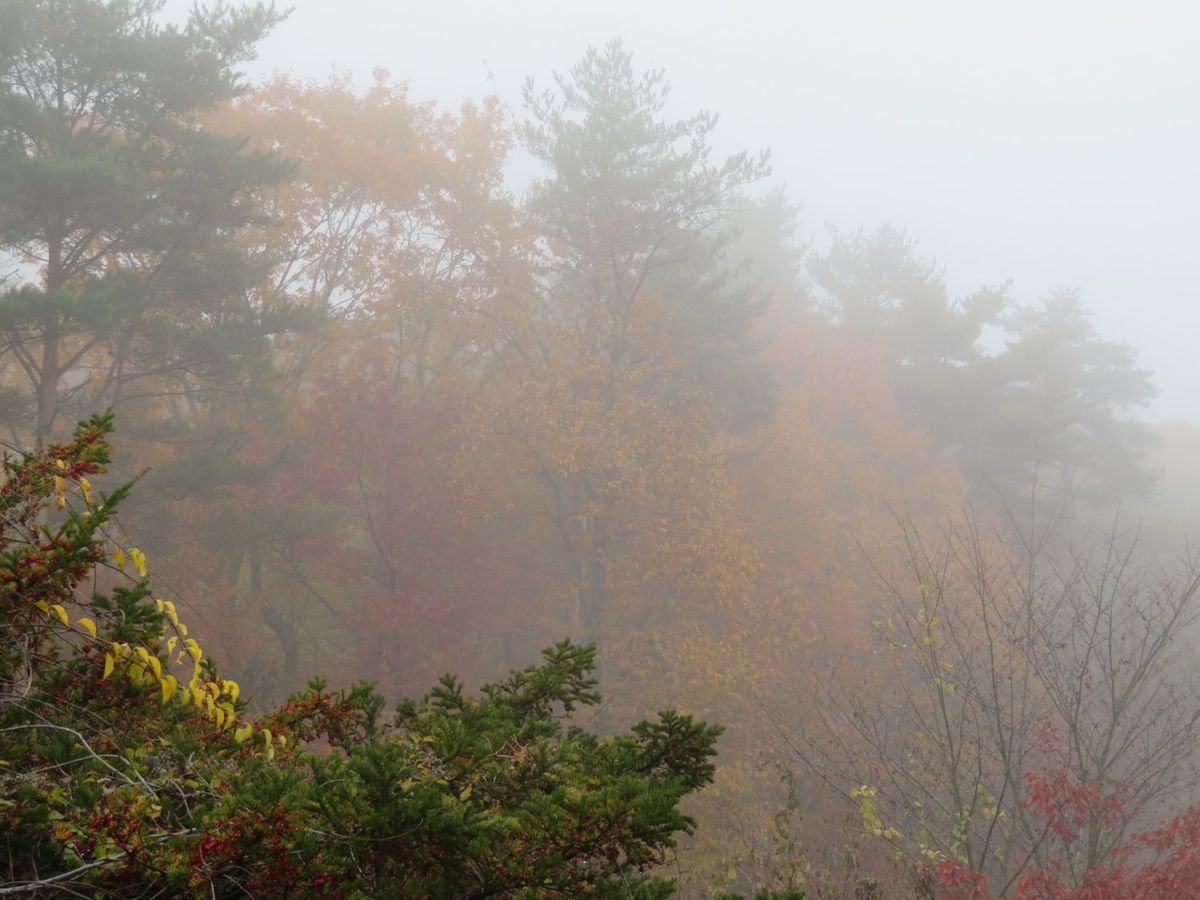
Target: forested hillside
[(355, 405)]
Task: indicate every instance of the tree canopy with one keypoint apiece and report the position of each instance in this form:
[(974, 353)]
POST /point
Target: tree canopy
[(121, 773), (387, 412)]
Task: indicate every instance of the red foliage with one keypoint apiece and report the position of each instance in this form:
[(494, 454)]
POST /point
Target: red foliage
[(1161, 864), (1068, 806), (952, 880), (1175, 871), (428, 583)]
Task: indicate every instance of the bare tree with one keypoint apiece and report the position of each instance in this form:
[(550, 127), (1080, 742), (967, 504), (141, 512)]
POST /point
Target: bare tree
[(1004, 660)]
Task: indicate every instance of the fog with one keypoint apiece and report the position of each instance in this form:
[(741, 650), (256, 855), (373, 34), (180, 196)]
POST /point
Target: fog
[(539, 450), (1053, 144)]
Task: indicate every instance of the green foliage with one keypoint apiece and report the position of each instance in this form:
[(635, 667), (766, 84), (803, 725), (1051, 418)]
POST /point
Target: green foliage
[(636, 212), (1024, 395), (498, 795), (116, 779), (130, 213)]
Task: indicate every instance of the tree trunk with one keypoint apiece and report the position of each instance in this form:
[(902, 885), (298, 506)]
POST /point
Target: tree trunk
[(49, 375)]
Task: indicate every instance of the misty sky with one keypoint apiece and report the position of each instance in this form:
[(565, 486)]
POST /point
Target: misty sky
[(1052, 143)]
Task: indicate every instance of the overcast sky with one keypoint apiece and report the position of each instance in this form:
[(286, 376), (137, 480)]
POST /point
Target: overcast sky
[(1051, 143)]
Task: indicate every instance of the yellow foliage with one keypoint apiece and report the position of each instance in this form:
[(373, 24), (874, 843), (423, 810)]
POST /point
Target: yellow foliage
[(139, 560)]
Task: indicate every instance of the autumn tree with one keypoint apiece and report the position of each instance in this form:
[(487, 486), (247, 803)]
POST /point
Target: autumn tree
[(1158, 864), (819, 487), (395, 214), (1041, 707), (410, 575), (394, 230), (603, 400), (122, 773)]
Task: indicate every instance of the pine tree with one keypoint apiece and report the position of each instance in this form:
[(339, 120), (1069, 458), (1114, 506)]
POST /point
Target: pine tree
[(120, 214), (636, 212), (1044, 406)]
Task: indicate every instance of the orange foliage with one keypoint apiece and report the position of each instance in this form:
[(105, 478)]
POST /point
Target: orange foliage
[(474, 459)]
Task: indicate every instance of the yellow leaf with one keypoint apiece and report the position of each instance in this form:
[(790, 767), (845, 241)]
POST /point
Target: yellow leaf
[(87, 625), (156, 665), (119, 558), (171, 614), (182, 628), (109, 662), (60, 491), (231, 688), (86, 487), (63, 831), (194, 649), (61, 613), (169, 685), (139, 560), (219, 715), (43, 606), (61, 463), (158, 604), (171, 642), (243, 733)]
